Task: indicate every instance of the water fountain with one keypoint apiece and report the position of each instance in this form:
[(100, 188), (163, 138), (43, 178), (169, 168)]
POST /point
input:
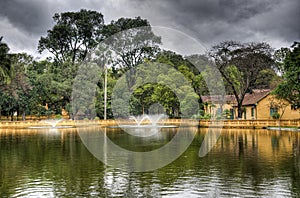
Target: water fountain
[(142, 129), (52, 124), (139, 119), (155, 118), (152, 118)]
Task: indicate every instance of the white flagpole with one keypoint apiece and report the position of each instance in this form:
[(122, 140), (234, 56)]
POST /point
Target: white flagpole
[(105, 93)]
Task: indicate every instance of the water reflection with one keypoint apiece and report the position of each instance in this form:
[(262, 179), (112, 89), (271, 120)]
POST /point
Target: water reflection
[(243, 163)]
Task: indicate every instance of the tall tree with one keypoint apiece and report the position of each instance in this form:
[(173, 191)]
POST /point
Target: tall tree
[(73, 35), (41, 94), (17, 91), (267, 79), (70, 40), (289, 89), (186, 65), (240, 65), (133, 42), (5, 63)]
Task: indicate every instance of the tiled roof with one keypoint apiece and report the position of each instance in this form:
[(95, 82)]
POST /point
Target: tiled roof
[(249, 99), (218, 98), (255, 96)]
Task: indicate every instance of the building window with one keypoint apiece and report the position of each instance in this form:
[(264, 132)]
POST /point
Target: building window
[(231, 114), (252, 111), (245, 114), (294, 106), (219, 111), (273, 110)]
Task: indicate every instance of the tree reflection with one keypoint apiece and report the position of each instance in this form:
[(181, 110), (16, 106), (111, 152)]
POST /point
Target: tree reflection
[(244, 161)]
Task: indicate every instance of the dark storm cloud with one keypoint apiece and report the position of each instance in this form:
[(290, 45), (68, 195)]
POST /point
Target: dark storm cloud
[(230, 11), (31, 16), (213, 21), (23, 22)]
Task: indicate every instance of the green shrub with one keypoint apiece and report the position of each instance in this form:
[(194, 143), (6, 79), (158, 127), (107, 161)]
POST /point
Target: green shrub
[(58, 116), (275, 115), (206, 116), (219, 117), (226, 114)]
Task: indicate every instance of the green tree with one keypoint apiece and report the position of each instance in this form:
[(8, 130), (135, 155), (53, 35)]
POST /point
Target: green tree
[(70, 40), (73, 35), (169, 88), (167, 98), (44, 91), (17, 91), (289, 89), (185, 65), (5, 63), (142, 98), (279, 57), (240, 65), (267, 79), (133, 42)]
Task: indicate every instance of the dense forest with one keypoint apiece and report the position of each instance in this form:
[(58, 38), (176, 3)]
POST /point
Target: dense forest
[(29, 86)]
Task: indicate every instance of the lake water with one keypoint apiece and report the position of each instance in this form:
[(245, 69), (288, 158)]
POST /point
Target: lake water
[(243, 163)]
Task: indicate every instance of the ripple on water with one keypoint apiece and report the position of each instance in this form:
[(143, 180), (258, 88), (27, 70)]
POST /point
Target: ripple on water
[(35, 188)]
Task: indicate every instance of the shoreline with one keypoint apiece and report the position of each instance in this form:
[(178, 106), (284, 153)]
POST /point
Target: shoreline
[(252, 124), (284, 129)]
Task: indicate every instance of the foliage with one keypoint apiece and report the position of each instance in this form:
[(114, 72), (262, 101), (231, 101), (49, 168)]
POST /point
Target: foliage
[(58, 116), (289, 89), (18, 90), (133, 42), (202, 116), (267, 79), (5, 63), (45, 87), (240, 65), (73, 35), (226, 114), (275, 115), (276, 102)]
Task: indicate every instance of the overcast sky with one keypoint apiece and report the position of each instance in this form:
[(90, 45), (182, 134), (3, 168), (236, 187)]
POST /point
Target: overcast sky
[(23, 22)]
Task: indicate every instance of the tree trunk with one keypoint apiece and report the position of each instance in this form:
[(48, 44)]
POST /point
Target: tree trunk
[(240, 111), (23, 116), (12, 116), (221, 109)]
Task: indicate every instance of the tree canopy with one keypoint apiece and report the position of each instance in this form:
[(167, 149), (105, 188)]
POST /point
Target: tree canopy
[(240, 65), (45, 87), (73, 35), (133, 42), (289, 89), (5, 65)]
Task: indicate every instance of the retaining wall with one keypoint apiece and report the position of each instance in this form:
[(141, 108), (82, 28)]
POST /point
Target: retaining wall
[(188, 122)]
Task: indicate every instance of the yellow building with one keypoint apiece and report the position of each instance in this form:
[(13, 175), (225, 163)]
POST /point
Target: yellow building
[(260, 104), (214, 105)]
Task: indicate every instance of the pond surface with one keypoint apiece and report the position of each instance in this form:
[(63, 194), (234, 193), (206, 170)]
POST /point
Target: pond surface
[(243, 163)]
